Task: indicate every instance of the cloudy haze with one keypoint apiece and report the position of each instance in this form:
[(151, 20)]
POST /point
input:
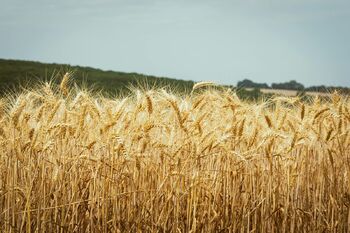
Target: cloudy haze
[(224, 41)]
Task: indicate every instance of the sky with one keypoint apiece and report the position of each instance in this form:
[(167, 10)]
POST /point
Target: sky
[(219, 40)]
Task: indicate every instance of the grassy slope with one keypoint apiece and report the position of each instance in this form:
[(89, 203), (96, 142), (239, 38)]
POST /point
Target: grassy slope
[(15, 72)]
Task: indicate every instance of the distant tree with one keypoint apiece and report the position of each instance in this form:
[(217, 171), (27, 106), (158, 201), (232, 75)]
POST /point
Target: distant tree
[(291, 85), (321, 88), (246, 83), (252, 95)]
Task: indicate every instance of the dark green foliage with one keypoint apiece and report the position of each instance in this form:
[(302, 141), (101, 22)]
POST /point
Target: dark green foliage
[(291, 85), (246, 83), (253, 95)]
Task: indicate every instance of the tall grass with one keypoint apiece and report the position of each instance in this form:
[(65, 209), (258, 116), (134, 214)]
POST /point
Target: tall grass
[(158, 162)]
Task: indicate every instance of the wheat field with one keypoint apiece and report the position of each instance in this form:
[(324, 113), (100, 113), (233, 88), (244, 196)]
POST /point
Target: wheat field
[(154, 161)]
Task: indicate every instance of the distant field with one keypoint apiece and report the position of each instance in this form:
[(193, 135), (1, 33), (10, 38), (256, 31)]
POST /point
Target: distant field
[(289, 92)]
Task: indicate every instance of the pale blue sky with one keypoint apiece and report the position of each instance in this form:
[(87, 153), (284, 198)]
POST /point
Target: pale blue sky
[(223, 41)]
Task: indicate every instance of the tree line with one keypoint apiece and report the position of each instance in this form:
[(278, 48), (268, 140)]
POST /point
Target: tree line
[(292, 85)]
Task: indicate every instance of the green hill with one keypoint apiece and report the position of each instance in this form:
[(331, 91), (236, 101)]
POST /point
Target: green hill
[(17, 73)]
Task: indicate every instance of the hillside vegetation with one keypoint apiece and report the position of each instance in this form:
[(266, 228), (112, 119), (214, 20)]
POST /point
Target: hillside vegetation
[(159, 162), (16, 73)]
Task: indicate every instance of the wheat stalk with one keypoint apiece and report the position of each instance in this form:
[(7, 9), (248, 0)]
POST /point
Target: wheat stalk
[(202, 84), (64, 83)]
